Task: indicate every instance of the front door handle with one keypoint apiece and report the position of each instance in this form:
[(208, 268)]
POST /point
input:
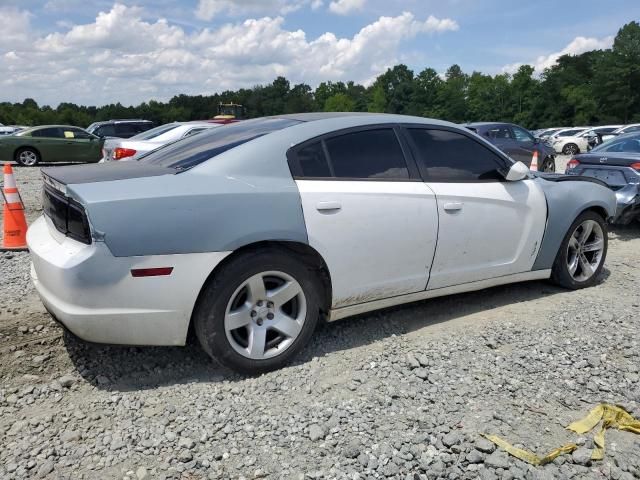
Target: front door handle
[(328, 206), (453, 206)]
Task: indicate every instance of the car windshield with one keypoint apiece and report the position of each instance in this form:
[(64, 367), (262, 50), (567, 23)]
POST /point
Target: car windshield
[(193, 150), (155, 132)]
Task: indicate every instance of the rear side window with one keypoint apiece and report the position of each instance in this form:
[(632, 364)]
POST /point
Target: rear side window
[(52, 132), (313, 162), (126, 129), (499, 133), (367, 154), (445, 156), (105, 131)]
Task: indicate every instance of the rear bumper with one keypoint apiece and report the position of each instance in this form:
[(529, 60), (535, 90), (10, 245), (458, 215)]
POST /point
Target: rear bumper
[(93, 294)]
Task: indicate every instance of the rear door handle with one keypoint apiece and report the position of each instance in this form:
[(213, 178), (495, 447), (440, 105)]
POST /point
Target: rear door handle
[(453, 206), (328, 206)]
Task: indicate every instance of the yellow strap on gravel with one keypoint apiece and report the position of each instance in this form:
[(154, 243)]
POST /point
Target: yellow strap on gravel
[(530, 457), (611, 417)]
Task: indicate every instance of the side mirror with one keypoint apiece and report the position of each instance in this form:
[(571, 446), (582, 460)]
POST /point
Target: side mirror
[(518, 171)]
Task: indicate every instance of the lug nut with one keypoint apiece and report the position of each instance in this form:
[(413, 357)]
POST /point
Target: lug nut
[(253, 313), (270, 304), (259, 303), (259, 321), (270, 316)]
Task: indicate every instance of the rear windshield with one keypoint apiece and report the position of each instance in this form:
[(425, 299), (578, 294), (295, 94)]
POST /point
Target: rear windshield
[(155, 132), (196, 149)]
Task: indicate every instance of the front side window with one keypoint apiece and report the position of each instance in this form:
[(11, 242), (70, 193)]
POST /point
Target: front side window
[(522, 135), (446, 156), (367, 154), (313, 162)]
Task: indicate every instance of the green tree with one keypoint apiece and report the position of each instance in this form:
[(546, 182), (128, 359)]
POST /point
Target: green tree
[(340, 102)]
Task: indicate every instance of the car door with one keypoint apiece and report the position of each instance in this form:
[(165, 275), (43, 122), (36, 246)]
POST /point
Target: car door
[(524, 146), (82, 146), (488, 227), (367, 213), (49, 141)]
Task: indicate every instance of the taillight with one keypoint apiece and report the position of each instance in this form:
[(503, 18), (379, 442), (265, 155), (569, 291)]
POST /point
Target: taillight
[(120, 153), (636, 166), (573, 163)]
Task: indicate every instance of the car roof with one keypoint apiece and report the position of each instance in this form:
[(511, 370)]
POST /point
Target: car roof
[(485, 124)]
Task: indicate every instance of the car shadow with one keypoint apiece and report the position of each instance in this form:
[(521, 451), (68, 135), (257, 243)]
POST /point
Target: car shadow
[(121, 368), (625, 232)]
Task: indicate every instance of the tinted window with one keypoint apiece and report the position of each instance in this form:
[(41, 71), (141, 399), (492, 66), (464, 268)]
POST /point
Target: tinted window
[(193, 131), (126, 129), (313, 162), (78, 133), (522, 135), (367, 154), (196, 149), (105, 131), (498, 133), (569, 133), (635, 128), (446, 156), (53, 132)]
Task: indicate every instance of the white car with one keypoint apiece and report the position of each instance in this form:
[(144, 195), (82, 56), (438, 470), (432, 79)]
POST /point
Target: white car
[(572, 140), (634, 127), (132, 148), (251, 234)]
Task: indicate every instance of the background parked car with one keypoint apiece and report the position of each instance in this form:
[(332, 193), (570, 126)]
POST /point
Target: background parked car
[(120, 128), (134, 147), (634, 127), (516, 142), (617, 163), (570, 144), (11, 129), (51, 143), (547, 132)]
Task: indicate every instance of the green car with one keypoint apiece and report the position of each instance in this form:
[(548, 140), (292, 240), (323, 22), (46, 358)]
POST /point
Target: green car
[(51, 143)]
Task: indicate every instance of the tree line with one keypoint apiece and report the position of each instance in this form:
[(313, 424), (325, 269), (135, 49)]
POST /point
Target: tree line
[(596, 87)]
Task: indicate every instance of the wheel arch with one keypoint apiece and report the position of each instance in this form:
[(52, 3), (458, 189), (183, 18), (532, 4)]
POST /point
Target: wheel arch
[(22, 147), (304, 252)]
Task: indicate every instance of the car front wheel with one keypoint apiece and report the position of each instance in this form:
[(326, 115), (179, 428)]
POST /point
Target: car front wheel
[(570, 149), (258, 311), (548, 165), (582, 253)]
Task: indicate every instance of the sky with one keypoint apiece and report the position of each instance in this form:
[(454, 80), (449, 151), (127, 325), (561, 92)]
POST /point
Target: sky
[(94, 52)]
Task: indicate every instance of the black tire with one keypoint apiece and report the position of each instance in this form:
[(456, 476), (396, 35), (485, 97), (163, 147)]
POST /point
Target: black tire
[(560, 273), (570, 149), (210, 310), (27, 150), (548, 165)]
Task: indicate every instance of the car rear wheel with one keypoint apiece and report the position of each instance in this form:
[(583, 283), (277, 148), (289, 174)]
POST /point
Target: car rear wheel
[(27, 157), (548, 165), (570, 149), (258, 311), (582, 253)]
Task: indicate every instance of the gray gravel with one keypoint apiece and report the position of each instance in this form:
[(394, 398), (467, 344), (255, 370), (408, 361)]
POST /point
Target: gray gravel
[(403, 393)]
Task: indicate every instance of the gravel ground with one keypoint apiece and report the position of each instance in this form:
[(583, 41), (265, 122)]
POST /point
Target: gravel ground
[(403, 393)]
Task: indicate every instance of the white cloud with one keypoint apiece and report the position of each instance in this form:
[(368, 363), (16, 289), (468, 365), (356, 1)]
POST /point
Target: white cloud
[(208, 9), (344, 7), (14, 25), (122, 57), (577, 46)]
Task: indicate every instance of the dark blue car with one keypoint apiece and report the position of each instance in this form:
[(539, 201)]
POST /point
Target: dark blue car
[(516, 142)]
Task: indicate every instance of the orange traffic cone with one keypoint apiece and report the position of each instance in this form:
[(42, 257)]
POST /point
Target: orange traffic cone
[(534, 162), (14, 222)]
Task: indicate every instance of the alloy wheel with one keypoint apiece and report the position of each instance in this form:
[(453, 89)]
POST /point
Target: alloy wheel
[(265, 315), (28, 158), (584, 251)]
